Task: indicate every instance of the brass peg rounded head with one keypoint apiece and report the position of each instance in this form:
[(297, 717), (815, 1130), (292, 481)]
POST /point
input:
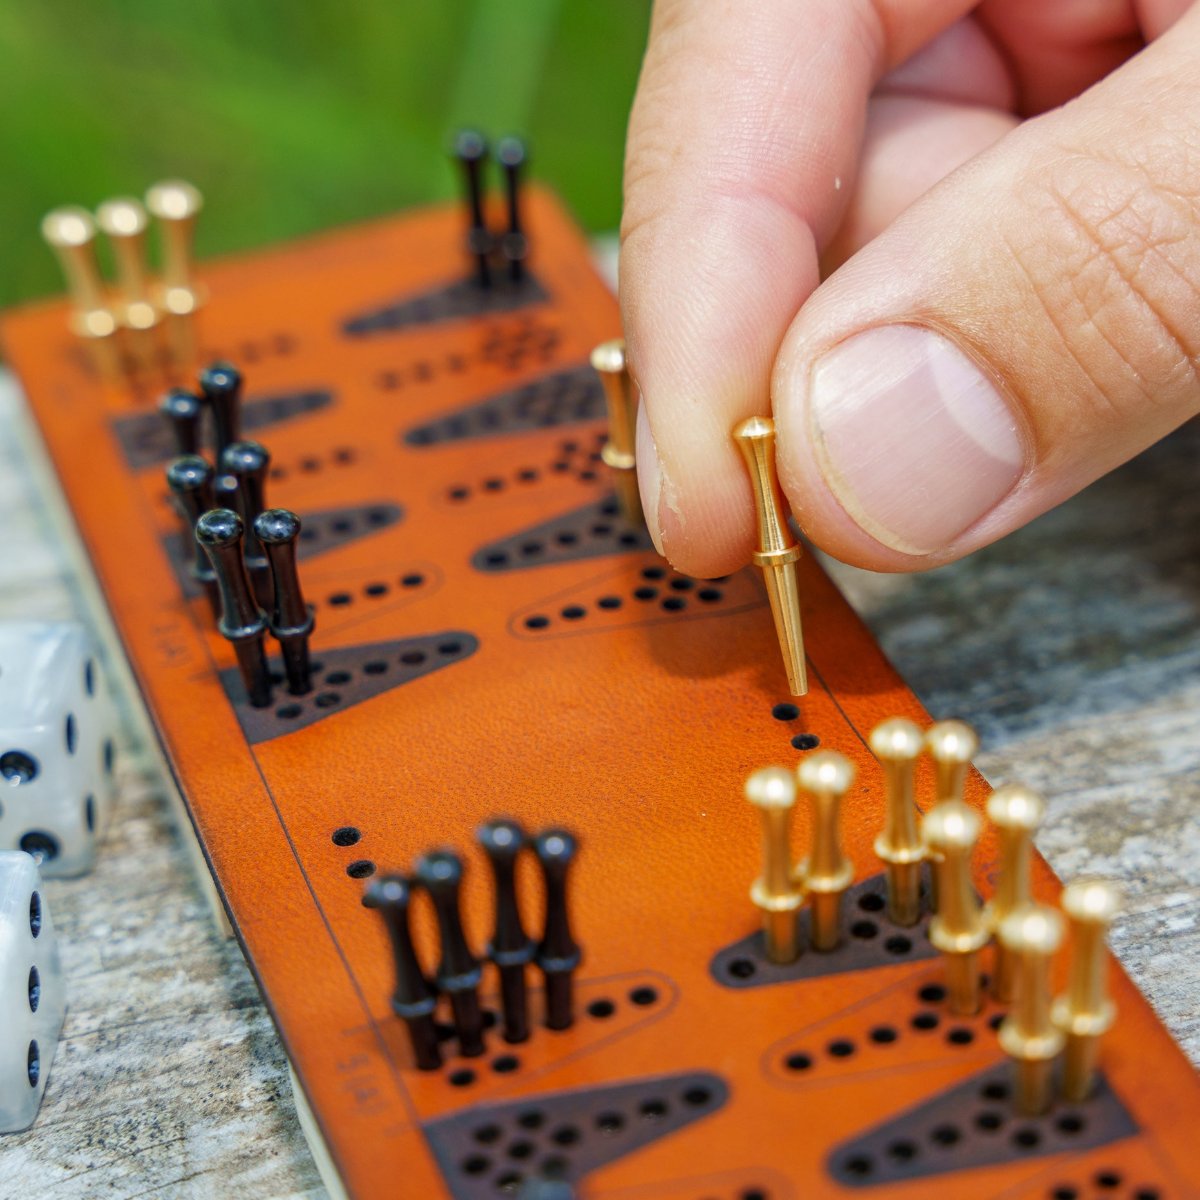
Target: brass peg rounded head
[(122, 217), (771, 787), (174, 200), (68, 226), (1017, 808), (951, 826), (755, 429), (896, 740), (827, 771), (1091, 901), (1032, 929), (952, 742), (609, 357)]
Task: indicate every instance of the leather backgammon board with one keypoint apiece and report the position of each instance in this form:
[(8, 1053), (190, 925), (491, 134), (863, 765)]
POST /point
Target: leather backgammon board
[(493, 638)]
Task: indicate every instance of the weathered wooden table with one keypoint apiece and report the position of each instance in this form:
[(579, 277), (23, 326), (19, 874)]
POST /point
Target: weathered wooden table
[(1074, 648)]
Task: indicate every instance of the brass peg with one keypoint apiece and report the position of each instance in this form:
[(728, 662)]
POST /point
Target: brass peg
[(958, 930), (1085, 1012), (952, 746), (608, 361), (71, 233), (778, 551), (1032, 935), (1016, 812), (897, 744), (175, 205), (826, 873), (772, 791), (124, 221)]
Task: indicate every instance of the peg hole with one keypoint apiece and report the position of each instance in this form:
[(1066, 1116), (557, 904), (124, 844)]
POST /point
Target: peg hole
[(946, 1135), (652, 1110), (645, 593), (520, 1149), (89, 677), (43, 846), (89, 814), (531, 1119), (806, 741), (864, 929), (643, 996), (990, 1120), (33, 1064), (361, 868), (785, 712), (412, 580), (289, 712), (1107, 1179), (925, 1021), (996, 1090), (859, 1165), (610, 1122), (960, 1035), (742, 968), (505, 1064), (871, 902), (573, 612), (902, 1151), (601, 1009), (798, 1062), (487, 1134), (1070, 1123), (709, 595), (932, 993), (463, 1077), (35, 914), (110, 754), (69, 733), (674, 604), (1027, 1138), (898, 944), (346, 835), (565, 1135), (477, 1164), (697, 1097), (327, 699), (17, 767), (35, 989), (1065, 1192), (841, 1048), (883, 1035), (609, 602)]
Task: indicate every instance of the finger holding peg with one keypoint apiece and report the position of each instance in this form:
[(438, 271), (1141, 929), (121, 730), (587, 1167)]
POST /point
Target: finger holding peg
[(71, 233), (1016, 812), (778, 551), (124, 221), (772, 790), (1085, 1013), (608, 361), (958, 929), (1032, 934), (826, 873), (897, 745)]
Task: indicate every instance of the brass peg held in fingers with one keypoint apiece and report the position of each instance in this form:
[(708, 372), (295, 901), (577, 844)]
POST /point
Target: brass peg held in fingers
[(1016, 812), (772, 790), (826, 873), (778, 551), (897, 744), (608, 361)]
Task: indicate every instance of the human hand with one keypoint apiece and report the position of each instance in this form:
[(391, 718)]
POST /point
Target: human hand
[(1011, 308)]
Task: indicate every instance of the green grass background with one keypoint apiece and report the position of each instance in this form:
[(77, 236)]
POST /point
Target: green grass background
[(296, 115)]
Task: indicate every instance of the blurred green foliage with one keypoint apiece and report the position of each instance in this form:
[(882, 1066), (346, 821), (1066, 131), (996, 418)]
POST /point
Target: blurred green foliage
[(296, 115)]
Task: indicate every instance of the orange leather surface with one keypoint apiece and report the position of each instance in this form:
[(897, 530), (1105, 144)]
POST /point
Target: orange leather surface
[(635, 728)]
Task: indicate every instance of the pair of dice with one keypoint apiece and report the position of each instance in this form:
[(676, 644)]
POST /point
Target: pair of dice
[(57, 786)]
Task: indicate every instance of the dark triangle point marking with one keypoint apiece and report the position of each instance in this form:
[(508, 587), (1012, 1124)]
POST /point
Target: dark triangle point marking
[(452, 302), (343, 678)]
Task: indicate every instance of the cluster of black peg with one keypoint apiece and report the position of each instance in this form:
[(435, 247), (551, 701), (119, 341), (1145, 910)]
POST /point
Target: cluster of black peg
[(459, 972), (243, 554), (512, 246)]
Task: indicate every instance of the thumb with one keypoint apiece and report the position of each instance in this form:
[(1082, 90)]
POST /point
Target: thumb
[(1026, 326)]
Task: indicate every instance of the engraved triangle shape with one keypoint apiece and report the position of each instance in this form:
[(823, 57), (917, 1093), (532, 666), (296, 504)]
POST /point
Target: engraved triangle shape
[(563, 398), (146, 438), (345, 677), (869, 940), (592, 531), (490, 1149), (973, 1124), (452, 302)]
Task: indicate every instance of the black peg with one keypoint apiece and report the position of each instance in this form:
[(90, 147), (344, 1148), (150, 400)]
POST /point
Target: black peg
[(183, 410), (291, 620), (471, 150), (515, 245), (246, 464), (440, 873), (190, 479), (511, 949), (558, 954), (413, 1000), (221, 384), (241, 622)]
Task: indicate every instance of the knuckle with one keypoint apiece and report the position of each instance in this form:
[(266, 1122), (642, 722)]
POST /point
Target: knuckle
[(1113, 260)]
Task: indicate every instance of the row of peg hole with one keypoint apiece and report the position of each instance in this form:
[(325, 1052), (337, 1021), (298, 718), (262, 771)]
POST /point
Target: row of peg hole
[(572, 458), (311, 464), (377, 589), (274, 345)]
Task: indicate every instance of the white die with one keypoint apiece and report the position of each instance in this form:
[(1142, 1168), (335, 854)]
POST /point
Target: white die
[(57, 727), (32, 1002)]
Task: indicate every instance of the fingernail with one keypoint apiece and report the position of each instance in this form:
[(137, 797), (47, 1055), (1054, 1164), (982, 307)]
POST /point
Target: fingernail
[(915, 441), (649, 474)]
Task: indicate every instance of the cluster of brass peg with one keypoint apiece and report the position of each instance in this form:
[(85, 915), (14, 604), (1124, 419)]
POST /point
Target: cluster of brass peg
[(120, 323), (821, 878), (1027, 934)]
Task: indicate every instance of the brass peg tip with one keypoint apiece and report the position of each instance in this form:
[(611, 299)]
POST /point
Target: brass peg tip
[(176, 205), (778, 550), (1016, 812), (958, 930), (124, 221), (897, 743), (1032, 934), (772, 790), (826, 873), (608, 361), (1084, 1013), (71, 233)]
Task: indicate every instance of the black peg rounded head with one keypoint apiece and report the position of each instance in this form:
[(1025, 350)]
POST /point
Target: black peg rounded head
[(387, 891), (470, 145), (180, 404), (245, 458), (439, 872), (188, 473), (501, 839), (511, 152), (219, 527), (277, 526), (555, 847), (220, 378)]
